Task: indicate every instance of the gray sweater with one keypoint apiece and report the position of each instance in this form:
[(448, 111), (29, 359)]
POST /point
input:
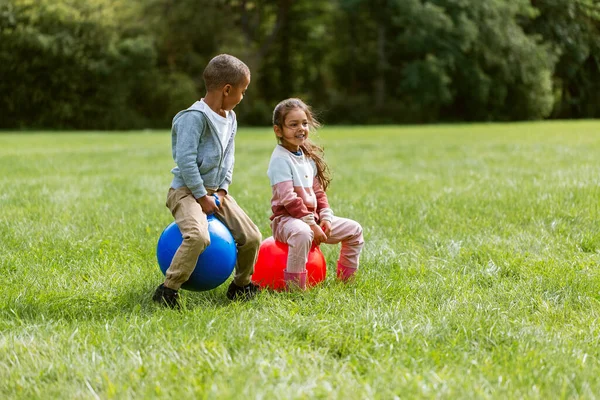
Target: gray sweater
[(201, 160)]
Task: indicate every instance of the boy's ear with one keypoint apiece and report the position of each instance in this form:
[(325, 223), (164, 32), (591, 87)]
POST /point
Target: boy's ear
[(226, 89)]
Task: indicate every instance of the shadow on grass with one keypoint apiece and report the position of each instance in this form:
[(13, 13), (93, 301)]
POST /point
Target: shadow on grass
[(102, 305)]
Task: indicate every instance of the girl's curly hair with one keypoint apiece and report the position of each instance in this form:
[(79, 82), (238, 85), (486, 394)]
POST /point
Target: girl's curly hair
[(309, 148)]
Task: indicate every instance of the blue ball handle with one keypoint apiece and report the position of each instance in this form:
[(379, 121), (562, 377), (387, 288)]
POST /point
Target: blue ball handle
[(218, 203)]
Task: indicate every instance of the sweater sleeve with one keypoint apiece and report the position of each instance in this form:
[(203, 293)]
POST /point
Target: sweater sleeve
[(325, 213), (189, 129), (284, 192), (282, 183), (279, 171)]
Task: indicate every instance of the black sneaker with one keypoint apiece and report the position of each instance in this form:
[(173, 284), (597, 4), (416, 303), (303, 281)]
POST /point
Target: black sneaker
[(166, 296), (235, 292)]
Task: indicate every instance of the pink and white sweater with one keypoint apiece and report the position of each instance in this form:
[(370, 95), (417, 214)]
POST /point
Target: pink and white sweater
[(296, 190)]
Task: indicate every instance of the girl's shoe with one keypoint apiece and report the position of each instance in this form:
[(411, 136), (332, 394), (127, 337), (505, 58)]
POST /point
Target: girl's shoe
[(345, 274), (295, 280)]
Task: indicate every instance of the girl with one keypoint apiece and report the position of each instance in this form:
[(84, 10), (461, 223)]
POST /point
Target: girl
[(299, 178)]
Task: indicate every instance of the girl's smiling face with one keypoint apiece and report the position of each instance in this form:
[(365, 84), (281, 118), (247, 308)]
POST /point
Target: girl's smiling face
[(294, 131)]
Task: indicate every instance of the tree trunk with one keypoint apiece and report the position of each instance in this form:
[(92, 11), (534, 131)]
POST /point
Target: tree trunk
[(380, 68)]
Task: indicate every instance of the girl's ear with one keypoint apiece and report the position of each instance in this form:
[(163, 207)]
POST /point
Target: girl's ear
[(277, 131)]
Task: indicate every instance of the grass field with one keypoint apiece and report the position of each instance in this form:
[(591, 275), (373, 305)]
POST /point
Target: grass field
[(480, 275)]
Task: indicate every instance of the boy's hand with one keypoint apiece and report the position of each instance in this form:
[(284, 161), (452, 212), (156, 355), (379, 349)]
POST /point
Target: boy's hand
[(208, 204), (319, 235), (326, 227)]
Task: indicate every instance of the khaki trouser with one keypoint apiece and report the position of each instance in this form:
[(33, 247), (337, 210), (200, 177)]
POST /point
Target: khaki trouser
[(193, 225)]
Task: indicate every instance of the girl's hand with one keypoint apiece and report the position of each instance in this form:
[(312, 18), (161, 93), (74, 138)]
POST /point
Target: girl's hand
[(326, 227), (319, 235)]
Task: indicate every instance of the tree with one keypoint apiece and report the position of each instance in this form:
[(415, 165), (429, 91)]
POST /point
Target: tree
[(441, 59), (64, 65), (572, 28)]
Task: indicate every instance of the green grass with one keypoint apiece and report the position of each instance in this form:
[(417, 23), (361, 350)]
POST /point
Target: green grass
[(480, 275)]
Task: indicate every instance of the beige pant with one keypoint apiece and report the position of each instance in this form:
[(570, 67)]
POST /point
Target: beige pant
[(193, 225), (298, 235)]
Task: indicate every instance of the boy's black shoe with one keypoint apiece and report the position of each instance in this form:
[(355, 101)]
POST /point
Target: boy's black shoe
[(166, 296), (235, 292)]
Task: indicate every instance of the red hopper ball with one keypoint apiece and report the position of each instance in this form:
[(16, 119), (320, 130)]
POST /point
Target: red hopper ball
[(272, 260)]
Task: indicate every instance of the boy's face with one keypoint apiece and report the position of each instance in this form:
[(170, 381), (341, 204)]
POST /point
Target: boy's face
[(234, 94)]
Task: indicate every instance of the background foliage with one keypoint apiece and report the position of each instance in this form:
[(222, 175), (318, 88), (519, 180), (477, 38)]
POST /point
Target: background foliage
[(116, 64)]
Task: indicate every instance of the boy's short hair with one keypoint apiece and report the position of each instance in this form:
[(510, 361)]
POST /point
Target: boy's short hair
[(224, 69)]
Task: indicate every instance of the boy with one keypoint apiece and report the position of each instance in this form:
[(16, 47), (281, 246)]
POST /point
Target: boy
[(202, 139)]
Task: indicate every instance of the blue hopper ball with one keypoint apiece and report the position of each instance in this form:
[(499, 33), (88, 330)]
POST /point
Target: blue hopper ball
[(215, 264)]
